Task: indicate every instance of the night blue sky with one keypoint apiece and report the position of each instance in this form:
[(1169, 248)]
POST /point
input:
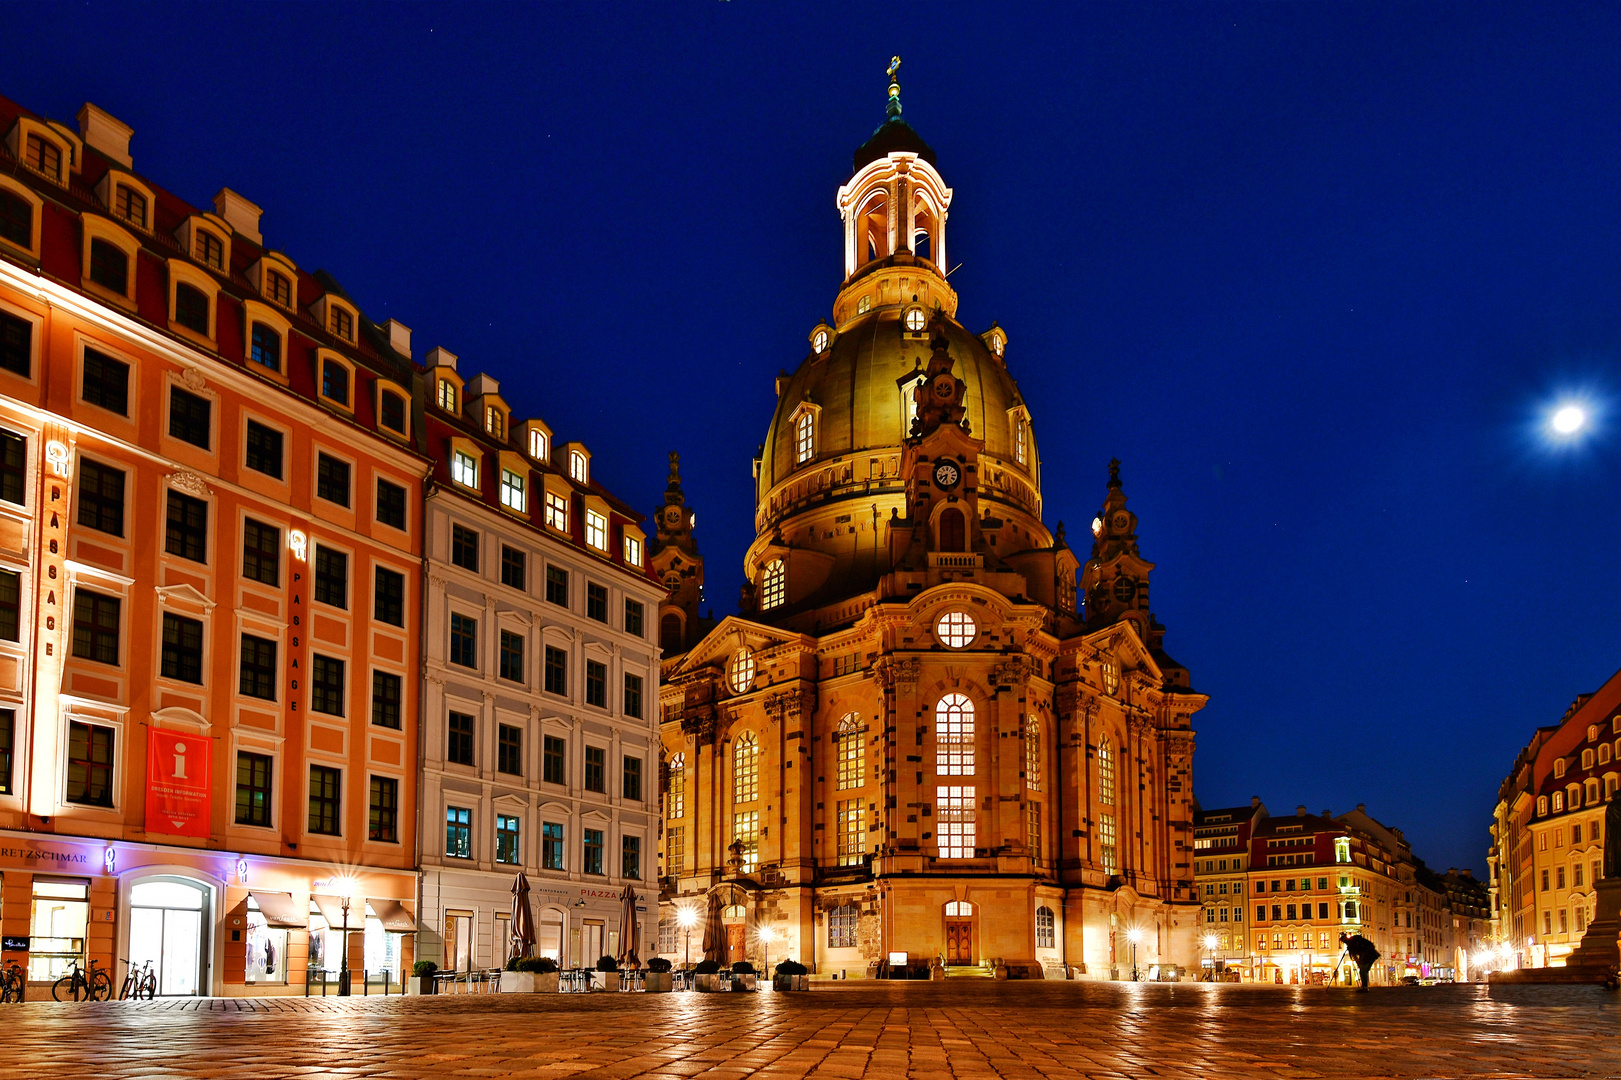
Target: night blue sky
[(1313, 271)]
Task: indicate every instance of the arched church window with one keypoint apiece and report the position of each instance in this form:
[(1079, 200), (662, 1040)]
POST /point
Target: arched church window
[(1032, 753), (804, 438), (953, 531), (773, 585), (675, 795), (959, 909), (1105, 772), (740, 671), (1044, 928), (746, 769), (851, 752), (1111, 676), (954, 736), (1019, 439), (841, 927), (955, 629), (670, 634)]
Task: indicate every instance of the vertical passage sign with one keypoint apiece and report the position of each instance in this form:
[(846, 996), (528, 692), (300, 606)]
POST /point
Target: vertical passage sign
[(177, 783)]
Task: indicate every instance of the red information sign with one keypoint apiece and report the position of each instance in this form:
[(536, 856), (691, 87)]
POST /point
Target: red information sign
[(177, 783)]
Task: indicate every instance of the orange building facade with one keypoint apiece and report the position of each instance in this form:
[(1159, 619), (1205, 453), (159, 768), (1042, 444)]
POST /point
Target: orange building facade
[(210, 544)]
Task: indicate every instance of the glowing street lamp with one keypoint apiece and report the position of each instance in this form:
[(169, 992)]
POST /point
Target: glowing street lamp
[(688, 918), (1210, 947), (1134, 935), (767, 936), (1567, 420)]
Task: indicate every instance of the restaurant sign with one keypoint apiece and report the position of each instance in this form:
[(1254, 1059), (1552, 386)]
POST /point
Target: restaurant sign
[(177, 783)]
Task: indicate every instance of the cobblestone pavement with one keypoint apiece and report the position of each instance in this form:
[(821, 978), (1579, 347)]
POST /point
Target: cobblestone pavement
[(975, 1030)]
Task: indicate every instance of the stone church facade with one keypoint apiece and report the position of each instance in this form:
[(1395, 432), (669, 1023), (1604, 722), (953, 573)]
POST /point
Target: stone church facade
[(935, 729)]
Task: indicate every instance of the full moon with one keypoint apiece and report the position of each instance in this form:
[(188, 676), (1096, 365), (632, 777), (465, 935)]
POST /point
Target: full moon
[(1569, 420)]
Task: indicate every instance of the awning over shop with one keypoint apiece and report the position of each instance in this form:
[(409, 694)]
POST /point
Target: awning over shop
[(280, 911), (393, 916), (332, 911)]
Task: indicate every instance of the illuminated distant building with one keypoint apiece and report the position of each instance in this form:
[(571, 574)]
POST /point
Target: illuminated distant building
[(1221, 853)]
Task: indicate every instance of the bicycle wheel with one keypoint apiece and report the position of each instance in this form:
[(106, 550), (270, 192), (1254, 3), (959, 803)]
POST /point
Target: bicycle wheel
[(101, 987), (150, 986), (66, 988), (8, 991), (127, 987)]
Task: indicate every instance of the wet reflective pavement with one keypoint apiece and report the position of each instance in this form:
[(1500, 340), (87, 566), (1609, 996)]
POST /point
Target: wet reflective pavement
[(890, 1030)]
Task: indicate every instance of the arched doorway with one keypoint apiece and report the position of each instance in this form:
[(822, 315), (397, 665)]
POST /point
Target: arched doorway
[(959, 932), (550, 935), (168, 921), (953, 533)]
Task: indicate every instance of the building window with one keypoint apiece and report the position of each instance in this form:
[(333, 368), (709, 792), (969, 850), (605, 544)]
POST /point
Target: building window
[(447, 395), (593, 852), (101, 497), (512, 491), (261, 552), (1032, 753), (44, 157), (1032, 831), (675, 792), (1342, 849), (388, 597), (746, 769), (577, 467), (10, 605), (106, 382), (740, 671), (16, 220), (189, 417), (331, 576), (458, 832), (1106, 844), (253, 795), (509, 749), (955, 822), (464, 547), (557, 586), (95, 626), (596, 601), (633, 551), (596, 769), (955, 629), (746, 833), (773, 585), (129, 205), (954, 736), (630, 857), (551, 845), (387, 692), (804, 438), (279, 288), (464, 469), (191, 308), (459, 743), (1019, 435), (675, 850), (841, 927), (109, 266), (210, 251), (383, 824), (537, 444), (332, 479), (341, 323), (556, 671), (335, 382), (553, 768), (265, 347), (635, 616), (852, 833), (16, 345), (507, 849), (557, 511), (182, 654), (494, 421), (851, 752), (390, 504), (325, 787), (596, 684), (633, 696), (263, 449), (511, 656), (391, 411), (464, 641), (90, 764), (186, 529), (513, 567), (632, 778), (1045, 937), (326, 685), (596, 530)]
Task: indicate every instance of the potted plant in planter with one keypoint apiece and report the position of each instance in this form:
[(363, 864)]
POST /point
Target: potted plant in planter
[(743, 976), (791, 975), (707, 978), (606, 976), (657, 979), (530, 975), (422, 973)]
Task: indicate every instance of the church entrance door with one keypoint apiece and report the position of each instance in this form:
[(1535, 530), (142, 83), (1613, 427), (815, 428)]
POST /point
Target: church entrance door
[(735, 943), (959, 941)]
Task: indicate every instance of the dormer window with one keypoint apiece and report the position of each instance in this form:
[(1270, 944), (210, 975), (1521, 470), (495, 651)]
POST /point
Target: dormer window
[(804, 438), (129, 206), (577, 467), (109, 266), (494, 422), (512, 491), (633, 551), (864, 305), (447, 395), (557, 511), (819, 342), (391, 411), (464, 468), (915, 320), (1559, 768), (596, 530), (44, 157), (191, 308), (773, 585), (210, 250), (1019, 439), (278, 288), (335, 382), (537, 444), (265, 346), (342, 324), (16, 220)]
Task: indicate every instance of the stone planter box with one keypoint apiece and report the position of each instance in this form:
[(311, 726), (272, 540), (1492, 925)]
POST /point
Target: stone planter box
[(658, 982), (745, 983), (709, 984), (419, 984), (790, 982), (528, 982), (605, 980)]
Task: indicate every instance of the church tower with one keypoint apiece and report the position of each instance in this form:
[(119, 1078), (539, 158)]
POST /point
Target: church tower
[(913, 739), (676, 562)]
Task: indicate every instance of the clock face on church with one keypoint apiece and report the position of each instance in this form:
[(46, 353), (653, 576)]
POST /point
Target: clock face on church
[(946, 474)]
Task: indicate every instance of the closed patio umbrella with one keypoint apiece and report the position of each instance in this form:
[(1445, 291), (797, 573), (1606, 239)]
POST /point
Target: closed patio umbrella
[(522, 928), (714, 932), (630, 931)]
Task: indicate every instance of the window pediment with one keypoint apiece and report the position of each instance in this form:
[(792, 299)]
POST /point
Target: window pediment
[(97, 228), (185, 282), (337, 317), (126, 199), (206, 240), (335, 380), (265, 272), (56, 154)]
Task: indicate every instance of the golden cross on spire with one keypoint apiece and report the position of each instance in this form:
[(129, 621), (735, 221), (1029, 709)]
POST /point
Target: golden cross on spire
[(894, 106), (894, 66)]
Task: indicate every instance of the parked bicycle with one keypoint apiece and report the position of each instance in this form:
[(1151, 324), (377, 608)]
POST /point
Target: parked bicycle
[(92, 985), (139, 982), (13, 982)]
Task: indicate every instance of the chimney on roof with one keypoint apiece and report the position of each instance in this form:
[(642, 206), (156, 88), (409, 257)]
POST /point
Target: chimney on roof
[(1328, 813), (399, 337), (239, 214), (440, 357), (1300, 811), (1255, 801), (482, 384), (106, 133), (1362, 808)]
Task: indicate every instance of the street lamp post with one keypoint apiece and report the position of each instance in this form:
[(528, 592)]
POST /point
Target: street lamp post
[(1134, 935), (343, 962), (1210, 948), (767, 935), (687, 918)]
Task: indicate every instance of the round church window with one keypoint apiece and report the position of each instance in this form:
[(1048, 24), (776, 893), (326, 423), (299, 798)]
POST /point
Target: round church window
[(740, 671), (955, 630), (915, 319)]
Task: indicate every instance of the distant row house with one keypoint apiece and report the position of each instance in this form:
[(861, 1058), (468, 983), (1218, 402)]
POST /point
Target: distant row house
[(305, 647)]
